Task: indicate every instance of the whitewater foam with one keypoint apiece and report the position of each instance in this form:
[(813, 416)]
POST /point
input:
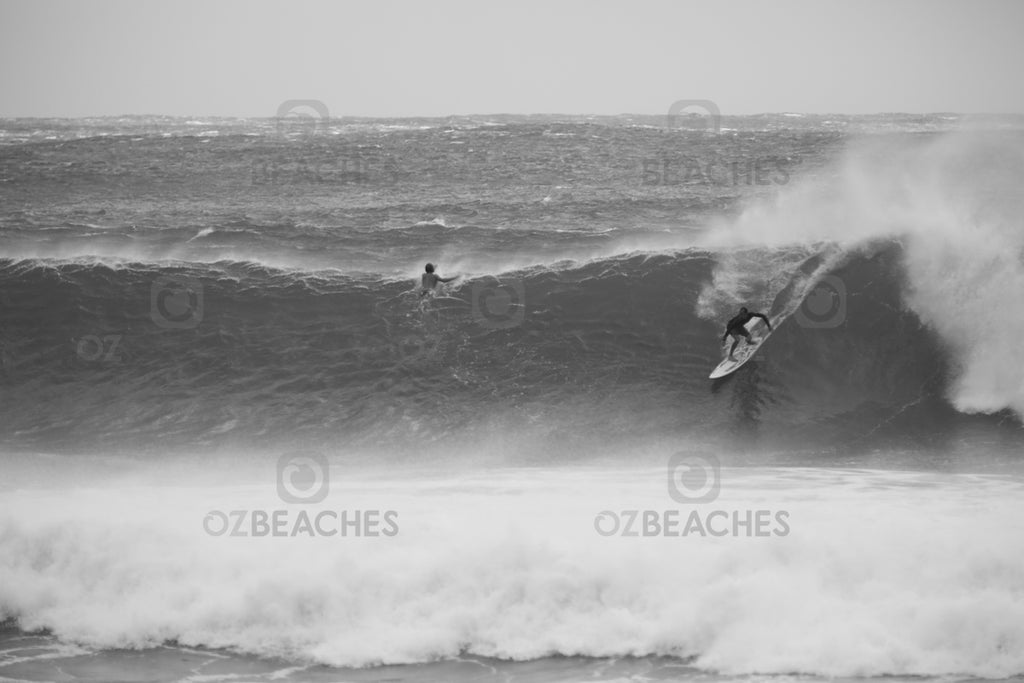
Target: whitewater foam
[(882, 572)]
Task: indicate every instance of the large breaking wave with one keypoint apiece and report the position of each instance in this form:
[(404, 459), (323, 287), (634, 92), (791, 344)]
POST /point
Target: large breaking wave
[(893, 276)]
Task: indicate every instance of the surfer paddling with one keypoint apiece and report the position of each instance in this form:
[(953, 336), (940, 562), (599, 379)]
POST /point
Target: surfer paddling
[(736, 328), (430, 280)]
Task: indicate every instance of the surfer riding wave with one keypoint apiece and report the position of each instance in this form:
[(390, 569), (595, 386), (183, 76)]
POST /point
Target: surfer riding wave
[(737, 328)]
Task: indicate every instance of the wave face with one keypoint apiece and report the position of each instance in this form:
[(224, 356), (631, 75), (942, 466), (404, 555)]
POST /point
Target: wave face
[(127, 353)]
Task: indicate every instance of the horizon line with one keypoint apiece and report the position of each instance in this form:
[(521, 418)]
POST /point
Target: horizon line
[(532, 114)]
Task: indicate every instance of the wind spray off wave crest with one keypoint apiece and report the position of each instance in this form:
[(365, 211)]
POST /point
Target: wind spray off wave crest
[(953, 201)]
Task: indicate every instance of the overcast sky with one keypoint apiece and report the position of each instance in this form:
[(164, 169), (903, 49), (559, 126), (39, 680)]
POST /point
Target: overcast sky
[(437, 57)]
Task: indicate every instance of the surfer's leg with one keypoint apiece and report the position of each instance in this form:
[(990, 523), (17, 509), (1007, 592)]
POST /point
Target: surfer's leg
[(735, 343)]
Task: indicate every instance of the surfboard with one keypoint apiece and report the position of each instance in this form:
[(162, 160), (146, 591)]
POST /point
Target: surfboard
[(744, 351)]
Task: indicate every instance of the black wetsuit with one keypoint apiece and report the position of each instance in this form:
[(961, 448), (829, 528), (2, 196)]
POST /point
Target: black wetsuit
[(737, 324)]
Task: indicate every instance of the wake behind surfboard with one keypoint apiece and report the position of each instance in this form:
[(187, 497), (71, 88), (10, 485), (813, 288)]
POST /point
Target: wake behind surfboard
[(744, 351)]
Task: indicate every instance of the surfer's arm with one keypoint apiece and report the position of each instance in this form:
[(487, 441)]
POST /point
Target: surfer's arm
[(448, 279), (763, 317)]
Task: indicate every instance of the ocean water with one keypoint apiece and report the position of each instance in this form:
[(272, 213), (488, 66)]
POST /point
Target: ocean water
[(237, 444)]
